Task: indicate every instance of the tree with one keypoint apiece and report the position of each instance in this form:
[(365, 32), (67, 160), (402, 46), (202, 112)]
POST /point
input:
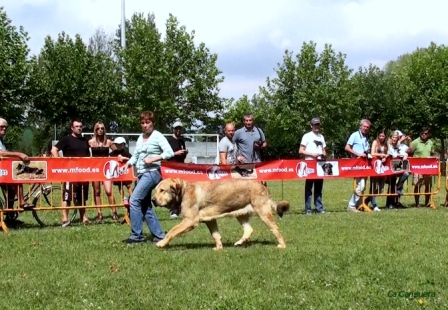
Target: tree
[(421, 88), (69, 80), (375, 97), (308, 85), (171, 77), (101, 43), (14, 68)]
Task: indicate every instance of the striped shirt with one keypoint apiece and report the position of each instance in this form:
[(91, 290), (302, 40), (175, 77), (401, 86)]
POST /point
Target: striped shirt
[(155, 145)]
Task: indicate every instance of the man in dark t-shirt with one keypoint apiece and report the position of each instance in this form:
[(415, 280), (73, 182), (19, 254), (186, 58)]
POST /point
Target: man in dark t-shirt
[(180, 151), (177, 144), (73, 145)]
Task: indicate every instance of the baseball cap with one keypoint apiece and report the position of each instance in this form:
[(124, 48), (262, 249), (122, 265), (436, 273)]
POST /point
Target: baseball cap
[(119, 140), (315, 121), (177, 124)]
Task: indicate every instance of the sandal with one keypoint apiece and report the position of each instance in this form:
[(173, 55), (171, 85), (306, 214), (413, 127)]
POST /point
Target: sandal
[(86, 222), (115, 217), (99, 219)]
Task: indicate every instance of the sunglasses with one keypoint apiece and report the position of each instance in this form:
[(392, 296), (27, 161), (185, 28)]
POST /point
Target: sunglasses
[(425, 133), (3, 126), (100, 128)]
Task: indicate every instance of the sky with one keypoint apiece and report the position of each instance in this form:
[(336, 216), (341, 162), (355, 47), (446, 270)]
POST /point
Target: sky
[(250, 37)]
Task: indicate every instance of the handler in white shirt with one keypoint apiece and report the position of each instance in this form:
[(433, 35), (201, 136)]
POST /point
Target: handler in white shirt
[(312, 147)]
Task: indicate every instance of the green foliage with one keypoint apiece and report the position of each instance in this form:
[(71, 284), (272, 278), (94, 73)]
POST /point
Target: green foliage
[(13, 70), (69, 80), (171, 77), (308, 85), (429, 80), (235, 110)]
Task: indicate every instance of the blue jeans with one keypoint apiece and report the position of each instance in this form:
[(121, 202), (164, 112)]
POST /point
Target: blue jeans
[(376, 187), (318, 185), (140, 206)]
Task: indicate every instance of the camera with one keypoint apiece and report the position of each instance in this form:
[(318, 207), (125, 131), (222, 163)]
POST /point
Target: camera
[(258, 144), (321, 157), (368, 155)]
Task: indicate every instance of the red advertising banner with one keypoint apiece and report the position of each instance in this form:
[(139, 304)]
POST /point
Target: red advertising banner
[(301, 169), (43, 169), (76, 169)]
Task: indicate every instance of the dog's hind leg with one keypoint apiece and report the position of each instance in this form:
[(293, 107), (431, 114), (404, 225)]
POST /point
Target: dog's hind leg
[(185, 226), (214, 231), (247, 229), (268, 219)]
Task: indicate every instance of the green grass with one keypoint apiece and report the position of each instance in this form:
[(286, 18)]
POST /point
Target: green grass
[(340, 260)]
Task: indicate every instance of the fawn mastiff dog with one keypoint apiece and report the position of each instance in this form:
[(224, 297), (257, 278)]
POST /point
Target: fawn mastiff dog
[(207, 201)]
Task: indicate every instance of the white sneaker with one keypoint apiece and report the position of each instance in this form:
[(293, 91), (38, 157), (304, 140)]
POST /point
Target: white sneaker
[(352, 209), (173, 215), (126, 201), (376, 209)]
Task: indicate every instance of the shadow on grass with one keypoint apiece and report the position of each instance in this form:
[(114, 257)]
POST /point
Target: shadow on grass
[(211, 245)]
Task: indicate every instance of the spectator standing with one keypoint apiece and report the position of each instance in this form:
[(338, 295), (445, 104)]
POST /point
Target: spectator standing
[(121, 151), (177, 143), (397, 150), (250, 141), (100, 147), (73, 145), (380, 152), (12, 190), (358, 147), (227, 149), (150, 149), (313, 147), (422, 147)]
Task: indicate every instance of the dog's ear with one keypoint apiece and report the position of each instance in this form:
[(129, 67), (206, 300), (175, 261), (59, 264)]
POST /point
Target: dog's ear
[(179, 186), (176, 186)]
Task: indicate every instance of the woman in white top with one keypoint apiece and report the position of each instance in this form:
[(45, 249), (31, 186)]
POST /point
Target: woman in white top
[(398, 151)]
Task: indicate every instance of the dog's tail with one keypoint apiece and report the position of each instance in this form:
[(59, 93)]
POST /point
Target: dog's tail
[(280, 207)]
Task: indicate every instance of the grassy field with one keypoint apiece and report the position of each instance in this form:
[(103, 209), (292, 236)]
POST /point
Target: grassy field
[(339, 260)]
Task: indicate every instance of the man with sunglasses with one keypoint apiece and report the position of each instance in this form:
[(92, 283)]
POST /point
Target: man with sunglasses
[(12, 189), (422, 147)]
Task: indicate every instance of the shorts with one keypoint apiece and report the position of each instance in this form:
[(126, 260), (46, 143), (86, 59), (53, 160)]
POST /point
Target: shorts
[(422, 179), (76, 191), (124, 183)]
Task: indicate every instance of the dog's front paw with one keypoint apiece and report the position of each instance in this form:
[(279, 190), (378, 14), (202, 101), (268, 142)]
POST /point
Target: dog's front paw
[(281, 246), (161, 243), (238, 243)]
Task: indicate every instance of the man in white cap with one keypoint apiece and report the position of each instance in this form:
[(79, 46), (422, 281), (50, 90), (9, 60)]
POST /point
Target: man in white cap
[(180, 151), (313, 147)]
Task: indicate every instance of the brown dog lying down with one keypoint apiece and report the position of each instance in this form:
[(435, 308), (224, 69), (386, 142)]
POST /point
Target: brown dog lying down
[(207, 201)]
